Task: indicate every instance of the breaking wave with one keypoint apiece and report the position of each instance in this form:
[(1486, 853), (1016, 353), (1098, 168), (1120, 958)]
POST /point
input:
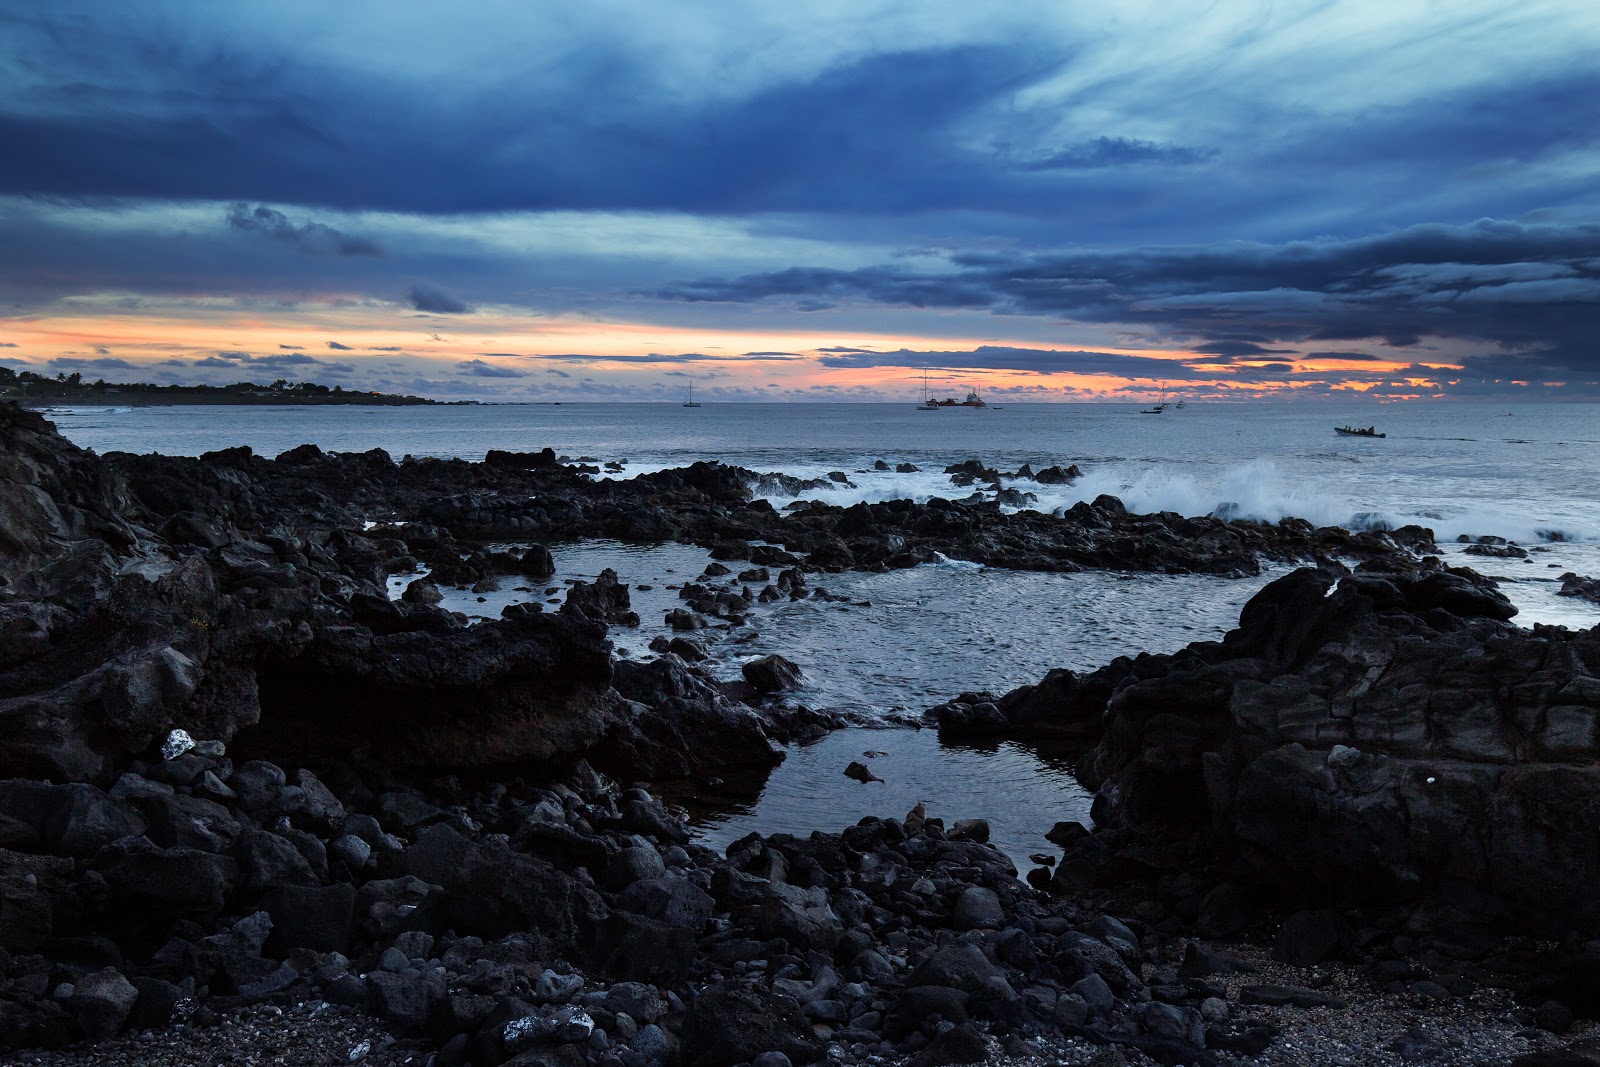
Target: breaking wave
[(1253, 490)]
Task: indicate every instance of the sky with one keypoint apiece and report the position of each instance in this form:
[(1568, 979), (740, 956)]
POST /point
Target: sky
[(820, 200)]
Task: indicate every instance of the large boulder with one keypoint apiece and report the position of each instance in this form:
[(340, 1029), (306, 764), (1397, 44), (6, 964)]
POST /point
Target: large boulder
[(102, 1001), (674, 707), (1376, 738)]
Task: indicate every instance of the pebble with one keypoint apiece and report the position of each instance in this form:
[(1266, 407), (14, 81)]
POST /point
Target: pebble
[(304, 1035)]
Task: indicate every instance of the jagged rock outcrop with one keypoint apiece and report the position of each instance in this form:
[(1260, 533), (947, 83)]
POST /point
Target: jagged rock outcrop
[(1372, 738)]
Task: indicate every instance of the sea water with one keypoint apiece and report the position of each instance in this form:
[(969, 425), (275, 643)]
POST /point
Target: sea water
[(905, 640)]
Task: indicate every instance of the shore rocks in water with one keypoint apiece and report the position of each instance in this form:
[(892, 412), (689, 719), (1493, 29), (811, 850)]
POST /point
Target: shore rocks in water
[(1574, 585), (860, 772), (1064, 706), (603, 600), (770, 674), (533, 498)]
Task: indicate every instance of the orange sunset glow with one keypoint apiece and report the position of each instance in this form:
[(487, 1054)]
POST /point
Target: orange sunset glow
[(373, 340)]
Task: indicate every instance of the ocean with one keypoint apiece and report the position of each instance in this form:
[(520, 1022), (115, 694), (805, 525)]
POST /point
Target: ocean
[(906, 640)]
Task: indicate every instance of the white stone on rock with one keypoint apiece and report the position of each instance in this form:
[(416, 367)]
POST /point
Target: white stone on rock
[(177, 743), (577, 1027)]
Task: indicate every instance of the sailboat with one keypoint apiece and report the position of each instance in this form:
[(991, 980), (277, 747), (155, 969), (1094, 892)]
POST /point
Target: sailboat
[(688, 398), (1160, 405), (928, 402)]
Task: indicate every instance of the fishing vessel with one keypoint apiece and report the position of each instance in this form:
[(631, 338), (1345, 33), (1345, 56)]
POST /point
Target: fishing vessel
[(933, 403), (1359, 431), (973, 400)]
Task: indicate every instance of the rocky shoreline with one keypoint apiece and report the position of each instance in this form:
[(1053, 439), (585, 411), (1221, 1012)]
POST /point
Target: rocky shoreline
[(243, 791)]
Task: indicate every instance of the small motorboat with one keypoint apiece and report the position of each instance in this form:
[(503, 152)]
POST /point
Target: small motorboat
[(1359, 431)]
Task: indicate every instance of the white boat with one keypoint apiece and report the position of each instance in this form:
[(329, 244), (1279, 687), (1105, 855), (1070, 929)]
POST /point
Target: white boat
[(688, 398)]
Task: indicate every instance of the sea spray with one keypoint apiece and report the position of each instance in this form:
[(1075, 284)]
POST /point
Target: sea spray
[(1255, 490)]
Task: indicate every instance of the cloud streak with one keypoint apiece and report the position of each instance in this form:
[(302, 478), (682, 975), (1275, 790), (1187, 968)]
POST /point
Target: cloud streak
[(313, 238), (480, 369), (435, 301)]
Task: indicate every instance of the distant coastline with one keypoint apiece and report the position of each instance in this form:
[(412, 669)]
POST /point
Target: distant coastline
[(36, 390)]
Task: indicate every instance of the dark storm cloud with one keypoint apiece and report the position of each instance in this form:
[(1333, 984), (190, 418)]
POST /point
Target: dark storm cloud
[(278, 361), (1235, 349), (1118, 152), (70, 363), (1525, 288), (479, 369), (676, 357), (292, 359), (1348, 357), (312, 237), (1033, 360), (435, 301), (337, 347)]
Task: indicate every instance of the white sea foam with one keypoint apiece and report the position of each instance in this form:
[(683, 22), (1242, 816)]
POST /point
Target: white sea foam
[(1251, 490), (947, 563)]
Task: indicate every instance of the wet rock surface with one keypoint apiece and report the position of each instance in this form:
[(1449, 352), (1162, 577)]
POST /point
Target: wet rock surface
[(1575, 585), (248, 798)]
